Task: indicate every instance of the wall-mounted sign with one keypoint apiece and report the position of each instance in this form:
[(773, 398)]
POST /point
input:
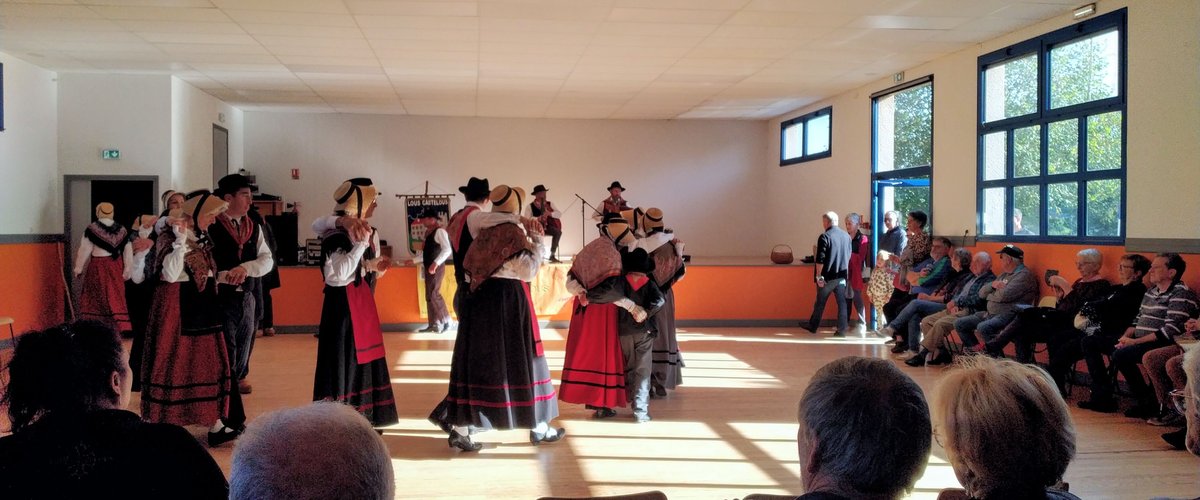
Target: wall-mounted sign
[(110, 154)]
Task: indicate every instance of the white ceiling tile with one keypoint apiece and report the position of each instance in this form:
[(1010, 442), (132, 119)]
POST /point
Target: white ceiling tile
[(908, 22), (685, 4), (581, 111), (297, 50), (523, 70), (421, 34), (533, 107), (231, 67), (291, 30), (228, 28), (197, 38), (404, 8), (371, 109), (650, 29), (638, 41), (440, 107), (420, 22), (669, 16), (422, 45), (253, 62), (531, 48), (49, 11), (309, 6), (1033, 11), (403, 56), (637, 52), (560, 11), (974, 9), (75, 36), (765, 53), (313, 60), (747, 31), (301, 41), (534, 37), (608, 61), (493, 58), (787, 19), (492, 85), (441, 68), (32, 26), (151, 3), (211, 15), (102, 48), (291, 18), (540, 26), (363, 74)]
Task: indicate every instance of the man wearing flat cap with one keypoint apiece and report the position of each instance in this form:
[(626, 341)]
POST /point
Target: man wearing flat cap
[(1016, 286)]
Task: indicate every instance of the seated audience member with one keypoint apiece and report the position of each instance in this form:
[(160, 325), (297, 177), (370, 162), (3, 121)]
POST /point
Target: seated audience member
[(864, 431), (937, 326), (323, 450), (915, 252), (1107, 319), (67, 390), (1165, 309), (1012, 289), (1006, 430), (909, 320), (1039, 324), (926, 278), (1191, 400)]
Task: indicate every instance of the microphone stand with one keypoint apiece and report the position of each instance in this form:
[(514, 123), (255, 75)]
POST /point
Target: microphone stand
[(583, 219)]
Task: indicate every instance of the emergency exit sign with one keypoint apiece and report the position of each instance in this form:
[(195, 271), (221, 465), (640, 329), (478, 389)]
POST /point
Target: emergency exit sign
[(110, 154)]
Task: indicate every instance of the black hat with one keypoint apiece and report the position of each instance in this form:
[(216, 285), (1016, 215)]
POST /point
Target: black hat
[(637, 261), (1012, 251), (539, 189), (617, 185), (231, 184), (475, 189)]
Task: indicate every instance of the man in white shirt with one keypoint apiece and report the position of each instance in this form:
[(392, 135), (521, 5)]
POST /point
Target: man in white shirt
[(433, 268)]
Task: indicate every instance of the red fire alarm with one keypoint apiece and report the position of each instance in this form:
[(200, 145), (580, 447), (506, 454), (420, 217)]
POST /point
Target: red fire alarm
[(295, 173)]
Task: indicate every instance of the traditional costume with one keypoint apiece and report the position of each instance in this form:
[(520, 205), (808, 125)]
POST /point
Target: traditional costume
[(434, 254), (105, 254), (139, 291), (542, 210), (593, 366), (669, 268), (352, 365), (185, 367), (465, 226), (498, 376), (614, 204)]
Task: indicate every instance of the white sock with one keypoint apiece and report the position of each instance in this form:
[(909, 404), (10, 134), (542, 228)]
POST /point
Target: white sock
[(217, 427), (462, 431)]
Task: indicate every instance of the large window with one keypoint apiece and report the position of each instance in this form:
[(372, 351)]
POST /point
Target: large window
[(806, 137), (902, 151), (1052, 136)]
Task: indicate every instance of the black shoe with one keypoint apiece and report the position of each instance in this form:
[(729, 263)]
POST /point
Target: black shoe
[(429, 329), (918, 359), (602, 413), (1102, 405), (537, 438), (225, 435), (1141, 411), (899, 347), (1176, 438), (445, 427), (944, 358), (462, 442)]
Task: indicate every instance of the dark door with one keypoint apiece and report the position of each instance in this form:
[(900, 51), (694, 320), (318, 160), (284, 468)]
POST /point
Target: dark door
[(129, 199)]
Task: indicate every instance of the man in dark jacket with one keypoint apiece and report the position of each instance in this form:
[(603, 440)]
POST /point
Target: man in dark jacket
[(833, 264)]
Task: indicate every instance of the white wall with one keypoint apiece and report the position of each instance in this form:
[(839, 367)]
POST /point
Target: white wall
[(1163, 147), (705, 175), (30, 195), (193, 114), (131, 113)]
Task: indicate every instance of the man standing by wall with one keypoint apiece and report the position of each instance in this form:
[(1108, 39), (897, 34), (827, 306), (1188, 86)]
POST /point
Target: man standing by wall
[(241, 254), (833, 264)]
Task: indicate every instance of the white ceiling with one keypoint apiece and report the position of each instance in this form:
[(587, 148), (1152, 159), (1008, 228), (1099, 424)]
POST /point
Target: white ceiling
[(639, 59)]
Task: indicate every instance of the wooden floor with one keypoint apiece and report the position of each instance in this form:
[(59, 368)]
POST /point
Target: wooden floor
[(728, 432)]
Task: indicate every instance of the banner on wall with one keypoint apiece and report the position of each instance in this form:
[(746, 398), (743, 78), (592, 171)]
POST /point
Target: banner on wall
[(414, 206)]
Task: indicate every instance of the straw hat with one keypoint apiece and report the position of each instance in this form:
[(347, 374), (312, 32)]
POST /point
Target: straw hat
[(507, 199), (354, 196), (619, 232), (104, 210), (652, 219), (202, 202)]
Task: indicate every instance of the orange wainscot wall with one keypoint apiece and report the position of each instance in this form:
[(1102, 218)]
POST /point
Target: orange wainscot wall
[(31, 285)]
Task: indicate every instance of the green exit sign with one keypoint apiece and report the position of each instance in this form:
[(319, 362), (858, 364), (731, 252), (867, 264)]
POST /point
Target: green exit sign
[(110, 154)]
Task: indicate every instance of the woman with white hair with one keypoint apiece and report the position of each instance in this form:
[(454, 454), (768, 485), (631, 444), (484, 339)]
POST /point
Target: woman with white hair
[(1038, 324), (1006, 430)]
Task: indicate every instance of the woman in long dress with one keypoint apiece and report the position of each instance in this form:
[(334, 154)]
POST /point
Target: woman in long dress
[(498, 376), (351, 362)]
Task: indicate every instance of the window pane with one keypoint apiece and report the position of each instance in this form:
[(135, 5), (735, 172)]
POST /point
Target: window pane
[(1104, 141), (1010, 89), (1084, 70), (818, 135), (1063, 150), (904, 129), (1104, 208), (793, 141), (1027, 210), (994, 211), (1062, 209), (994, 153), (1027, 151)]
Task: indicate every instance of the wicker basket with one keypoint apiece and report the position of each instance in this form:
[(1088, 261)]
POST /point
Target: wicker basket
[(781, 254)]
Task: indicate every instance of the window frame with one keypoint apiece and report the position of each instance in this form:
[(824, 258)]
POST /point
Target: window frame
[(1043, 117), (915, 172), (803, 121)]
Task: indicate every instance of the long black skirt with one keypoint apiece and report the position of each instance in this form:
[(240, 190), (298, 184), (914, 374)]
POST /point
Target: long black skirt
[(339, 377), (497, 379)]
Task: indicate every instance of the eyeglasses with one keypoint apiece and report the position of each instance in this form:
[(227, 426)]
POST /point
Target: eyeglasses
[(937, 437), (1179, 398)]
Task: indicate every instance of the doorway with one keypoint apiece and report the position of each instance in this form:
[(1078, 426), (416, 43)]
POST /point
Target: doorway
[(130, 195)]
